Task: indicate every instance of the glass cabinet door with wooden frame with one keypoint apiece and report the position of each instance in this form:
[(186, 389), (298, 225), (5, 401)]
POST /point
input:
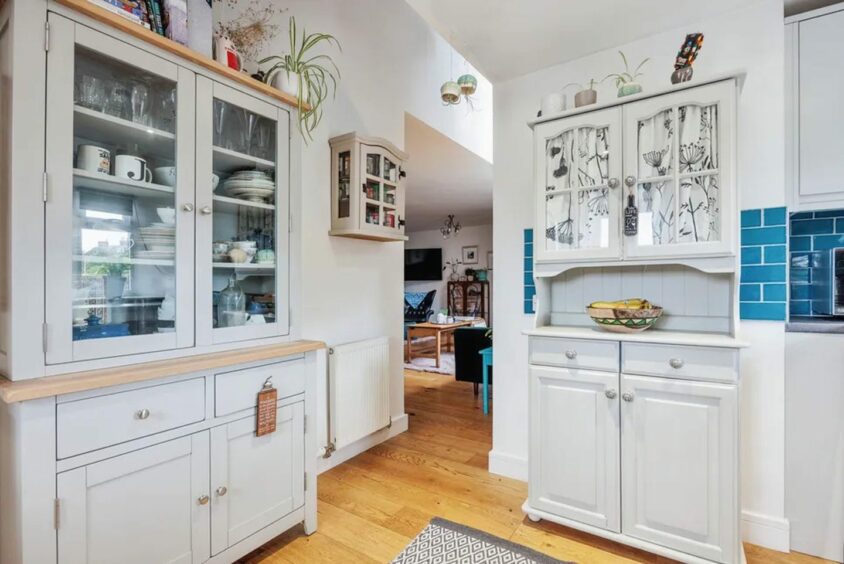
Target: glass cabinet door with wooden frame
[(243, 205), (120, 167)]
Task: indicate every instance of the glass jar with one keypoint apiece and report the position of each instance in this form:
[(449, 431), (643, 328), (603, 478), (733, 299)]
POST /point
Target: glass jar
[(231, 308)]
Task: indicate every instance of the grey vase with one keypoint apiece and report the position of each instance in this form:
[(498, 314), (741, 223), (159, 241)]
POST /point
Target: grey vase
[(585, 97)]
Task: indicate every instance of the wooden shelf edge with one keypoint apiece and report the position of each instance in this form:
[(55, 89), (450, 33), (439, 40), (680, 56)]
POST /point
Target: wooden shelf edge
[(367, 236), (24, 390), (112, 20)]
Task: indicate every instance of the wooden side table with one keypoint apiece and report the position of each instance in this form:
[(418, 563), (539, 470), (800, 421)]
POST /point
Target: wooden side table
[(486, 354)]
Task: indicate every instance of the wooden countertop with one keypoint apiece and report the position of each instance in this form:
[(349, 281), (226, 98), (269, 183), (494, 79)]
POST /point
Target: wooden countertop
[(651, 336), (112, 20), (23, 390)]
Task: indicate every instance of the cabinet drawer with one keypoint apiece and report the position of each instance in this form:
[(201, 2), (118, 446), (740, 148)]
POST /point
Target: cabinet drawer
[(93, 423), (574, 353), (672, 361), (238, 390)]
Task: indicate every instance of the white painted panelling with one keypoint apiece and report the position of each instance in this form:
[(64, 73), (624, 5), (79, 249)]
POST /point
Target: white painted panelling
[(692, 300), (359, 384)]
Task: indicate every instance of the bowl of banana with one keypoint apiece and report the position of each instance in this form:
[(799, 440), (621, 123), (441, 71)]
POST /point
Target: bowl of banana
[(624, 316)]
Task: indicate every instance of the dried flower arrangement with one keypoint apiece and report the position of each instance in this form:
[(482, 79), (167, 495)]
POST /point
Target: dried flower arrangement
[(252, 28)]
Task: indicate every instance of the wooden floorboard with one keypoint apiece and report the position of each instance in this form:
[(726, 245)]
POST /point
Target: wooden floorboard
[(373, 505)]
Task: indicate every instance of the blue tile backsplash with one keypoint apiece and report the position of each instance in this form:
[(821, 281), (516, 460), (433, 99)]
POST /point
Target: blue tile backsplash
[(762, 294), (812, 233), (530, 288)]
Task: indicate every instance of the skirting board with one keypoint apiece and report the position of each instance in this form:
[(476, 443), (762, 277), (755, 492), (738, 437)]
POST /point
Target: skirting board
[(350, 451), (756, 528)]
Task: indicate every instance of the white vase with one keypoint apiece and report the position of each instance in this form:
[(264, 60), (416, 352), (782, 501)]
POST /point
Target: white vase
[(288, 82)]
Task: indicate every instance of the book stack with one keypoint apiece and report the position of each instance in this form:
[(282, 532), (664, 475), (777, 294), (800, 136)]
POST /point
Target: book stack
[(164, 17)]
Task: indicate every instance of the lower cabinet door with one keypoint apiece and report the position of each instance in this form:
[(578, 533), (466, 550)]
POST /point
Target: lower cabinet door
[(574, 448), (255, 481), (144, 507), (679, 465)]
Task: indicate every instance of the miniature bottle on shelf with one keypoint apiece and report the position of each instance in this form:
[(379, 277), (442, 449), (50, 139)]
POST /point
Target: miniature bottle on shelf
[(231, 309)]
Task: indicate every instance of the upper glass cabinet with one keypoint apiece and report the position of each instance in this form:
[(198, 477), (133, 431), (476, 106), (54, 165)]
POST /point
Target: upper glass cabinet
[(119, 164), (678, 153), (244, 209), (578, 165)]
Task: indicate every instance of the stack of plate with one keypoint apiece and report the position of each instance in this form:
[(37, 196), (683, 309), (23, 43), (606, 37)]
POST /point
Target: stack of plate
[(158, 241), (250, 185)]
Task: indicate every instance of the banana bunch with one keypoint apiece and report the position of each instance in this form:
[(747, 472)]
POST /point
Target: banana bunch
[(631, 303)]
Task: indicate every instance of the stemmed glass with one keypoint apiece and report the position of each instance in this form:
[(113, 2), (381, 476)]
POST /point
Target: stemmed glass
[(140, 103), (219, 116), (251, 124)]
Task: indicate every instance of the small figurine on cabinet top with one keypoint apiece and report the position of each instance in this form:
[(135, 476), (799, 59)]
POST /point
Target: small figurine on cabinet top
[(685, 57)]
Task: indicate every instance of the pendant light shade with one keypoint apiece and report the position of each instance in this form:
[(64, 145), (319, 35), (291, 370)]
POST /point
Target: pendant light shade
[(450, 92), (468, 84)]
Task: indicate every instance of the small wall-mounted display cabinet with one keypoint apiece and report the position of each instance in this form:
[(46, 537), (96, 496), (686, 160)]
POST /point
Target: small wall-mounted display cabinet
[(651, 181), (367, 188)]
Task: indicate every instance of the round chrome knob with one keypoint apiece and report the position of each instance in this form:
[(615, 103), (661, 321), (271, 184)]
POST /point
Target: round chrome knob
[(205, 210), (676, 363), (188, 207), (630, 181), (571, 355), (613, 183), (611, 394), (203, 500), (142, 414), (627, 396), (222, 490)]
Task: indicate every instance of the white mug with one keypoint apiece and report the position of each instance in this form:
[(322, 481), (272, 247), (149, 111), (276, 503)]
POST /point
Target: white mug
[(132, 167), (93, 159)]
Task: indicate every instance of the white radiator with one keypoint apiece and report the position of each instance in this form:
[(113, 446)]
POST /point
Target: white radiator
[(359, 390)]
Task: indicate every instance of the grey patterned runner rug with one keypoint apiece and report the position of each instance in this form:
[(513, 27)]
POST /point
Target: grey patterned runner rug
[(444, 542)]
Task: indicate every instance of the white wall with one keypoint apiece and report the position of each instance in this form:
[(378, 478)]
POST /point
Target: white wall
[(749, 39), (480, 235), (391, 63)]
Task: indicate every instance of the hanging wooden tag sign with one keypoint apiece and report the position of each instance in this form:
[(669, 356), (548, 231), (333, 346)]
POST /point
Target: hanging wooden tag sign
[(631, 217), (266, 409)]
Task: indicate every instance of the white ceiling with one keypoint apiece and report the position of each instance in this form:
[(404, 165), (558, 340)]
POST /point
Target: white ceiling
[(799, 6), (504, 39), (443, 177)]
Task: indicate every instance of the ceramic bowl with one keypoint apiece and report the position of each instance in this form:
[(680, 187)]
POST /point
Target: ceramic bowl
[(215, 181), (165, 175), (623, 320), (167, 215), (239, 256)]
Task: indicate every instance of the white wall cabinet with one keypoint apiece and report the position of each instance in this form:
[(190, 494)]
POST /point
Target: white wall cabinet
[(667, 160), (367, 188), (814, 115), (645, 455)]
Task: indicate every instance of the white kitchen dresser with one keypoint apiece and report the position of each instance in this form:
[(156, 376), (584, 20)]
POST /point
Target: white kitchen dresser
[(635, 437), (128, 412)]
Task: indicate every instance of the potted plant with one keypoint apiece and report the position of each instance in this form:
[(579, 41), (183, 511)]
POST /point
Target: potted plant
[(453, 264), (587, 94), (307, 76), (626, 81), (113, 280)]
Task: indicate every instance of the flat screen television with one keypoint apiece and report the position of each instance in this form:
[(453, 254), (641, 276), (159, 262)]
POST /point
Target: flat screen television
[(423, 264)]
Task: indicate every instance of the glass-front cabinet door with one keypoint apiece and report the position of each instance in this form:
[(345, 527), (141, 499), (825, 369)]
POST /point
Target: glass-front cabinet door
[(120, 166), (578, 166), (678, 168), (243, 205), (381, 174)]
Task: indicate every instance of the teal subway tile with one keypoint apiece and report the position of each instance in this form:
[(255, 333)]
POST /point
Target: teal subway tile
[(839, 225), (528, 264), (762, 311), (751, 255), (800, 244), (750, 293), (529, 306), (801, 291), (813, 227), (775, 254), (826, 242), (751, 218), (763, 236), (774, 216), (528, 250), (766, 273), (530, 292), (802, 215), (774, 293), (830, 213), (528, 279), (528, 235), (800, 275), (801, 307)]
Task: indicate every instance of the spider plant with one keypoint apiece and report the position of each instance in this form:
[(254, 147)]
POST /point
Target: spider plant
[(317, 74), (626, 77), (589, 85)]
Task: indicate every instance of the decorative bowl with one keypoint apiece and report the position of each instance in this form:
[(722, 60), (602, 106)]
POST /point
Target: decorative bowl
[(624, 320)]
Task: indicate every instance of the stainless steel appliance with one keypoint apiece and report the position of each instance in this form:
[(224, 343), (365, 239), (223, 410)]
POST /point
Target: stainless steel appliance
[(828, 283)]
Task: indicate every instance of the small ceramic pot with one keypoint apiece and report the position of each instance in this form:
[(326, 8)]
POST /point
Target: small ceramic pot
[(265, 256), (629, 89), (468, 84), (238, 256), (683, 74), (553, 103), (288, 82), (585, 97), (450, 92), (113, 286)]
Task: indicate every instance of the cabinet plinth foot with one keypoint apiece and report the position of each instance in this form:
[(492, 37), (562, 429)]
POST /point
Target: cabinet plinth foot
[(534, 518)]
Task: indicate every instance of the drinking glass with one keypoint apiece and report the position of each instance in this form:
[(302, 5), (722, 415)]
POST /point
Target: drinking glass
[(140, 103), (235, 130), (264, 140), (92, 92), (220, 114), (251, 123), (167, 111), (119, 101)]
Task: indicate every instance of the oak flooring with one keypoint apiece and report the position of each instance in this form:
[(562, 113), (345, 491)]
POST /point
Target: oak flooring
[(373, 505)]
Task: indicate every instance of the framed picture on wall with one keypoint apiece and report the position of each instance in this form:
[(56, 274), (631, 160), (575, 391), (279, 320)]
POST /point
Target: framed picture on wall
[(470, 255)]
